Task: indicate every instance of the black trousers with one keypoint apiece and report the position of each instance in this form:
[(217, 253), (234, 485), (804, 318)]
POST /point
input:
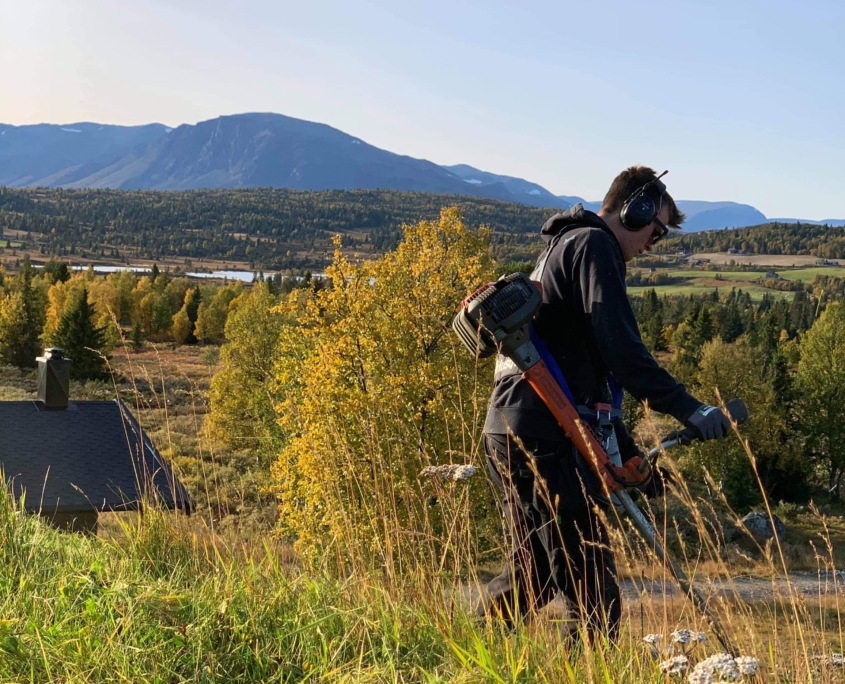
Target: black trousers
[(559, 543)]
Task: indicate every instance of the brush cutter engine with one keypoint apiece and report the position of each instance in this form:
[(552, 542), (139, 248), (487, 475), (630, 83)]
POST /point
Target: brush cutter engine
[(494, 319)]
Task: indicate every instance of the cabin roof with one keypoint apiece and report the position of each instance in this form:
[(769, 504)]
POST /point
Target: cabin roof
[(91, 456)]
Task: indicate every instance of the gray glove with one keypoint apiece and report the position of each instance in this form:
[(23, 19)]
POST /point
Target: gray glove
[(709, 422)]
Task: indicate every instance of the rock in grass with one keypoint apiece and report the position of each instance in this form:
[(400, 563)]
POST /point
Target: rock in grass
[(453, 472), (760, 527)]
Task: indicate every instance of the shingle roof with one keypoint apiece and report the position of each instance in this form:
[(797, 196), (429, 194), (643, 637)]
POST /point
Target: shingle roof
[(93, 455)]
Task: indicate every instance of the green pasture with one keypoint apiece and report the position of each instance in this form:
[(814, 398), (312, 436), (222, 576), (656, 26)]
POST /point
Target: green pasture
[(699, 282), (693, 287), (807, 274)]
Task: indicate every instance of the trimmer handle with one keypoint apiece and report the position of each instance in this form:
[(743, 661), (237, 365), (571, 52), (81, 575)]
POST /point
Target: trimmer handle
[(737, 412)]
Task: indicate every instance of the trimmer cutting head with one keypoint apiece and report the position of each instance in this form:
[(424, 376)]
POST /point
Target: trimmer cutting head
[(497, 312)]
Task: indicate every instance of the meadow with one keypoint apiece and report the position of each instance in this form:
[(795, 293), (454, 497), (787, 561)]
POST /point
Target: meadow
[(167, 598), (699, 281)]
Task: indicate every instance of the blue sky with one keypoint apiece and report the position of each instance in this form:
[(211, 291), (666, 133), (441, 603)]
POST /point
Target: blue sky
[(741, 100)]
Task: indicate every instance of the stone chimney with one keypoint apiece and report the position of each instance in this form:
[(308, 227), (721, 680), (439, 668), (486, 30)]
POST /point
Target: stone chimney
[(53, 379)]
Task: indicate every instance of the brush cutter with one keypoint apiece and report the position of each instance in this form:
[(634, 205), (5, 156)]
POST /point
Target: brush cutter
[(495, 319)]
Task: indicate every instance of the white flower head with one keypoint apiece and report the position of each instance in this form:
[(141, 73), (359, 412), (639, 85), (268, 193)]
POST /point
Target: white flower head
[(675, 665), (652, 639), (747, 665), (681, 636), (834, 659), (722, 664), (700, 677)]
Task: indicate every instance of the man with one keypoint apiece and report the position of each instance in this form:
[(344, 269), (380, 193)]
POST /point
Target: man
[(560, 545)]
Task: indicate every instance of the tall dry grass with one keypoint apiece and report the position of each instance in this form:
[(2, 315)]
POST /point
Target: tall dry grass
[(165, 598)]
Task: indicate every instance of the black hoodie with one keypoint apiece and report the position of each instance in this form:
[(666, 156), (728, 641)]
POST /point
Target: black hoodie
[(587, 320)]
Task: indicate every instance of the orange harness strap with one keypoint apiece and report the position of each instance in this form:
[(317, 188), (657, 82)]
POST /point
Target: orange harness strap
[(612, 477)]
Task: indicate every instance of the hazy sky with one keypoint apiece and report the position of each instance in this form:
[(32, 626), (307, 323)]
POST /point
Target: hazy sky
[(741, 100)]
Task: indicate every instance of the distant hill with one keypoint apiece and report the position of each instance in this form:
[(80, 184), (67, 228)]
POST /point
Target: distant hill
[(55, 156), (519, 190), (824, 222), (825, 242), (710, 215), (272, 150), (700, 215), (574, 199)]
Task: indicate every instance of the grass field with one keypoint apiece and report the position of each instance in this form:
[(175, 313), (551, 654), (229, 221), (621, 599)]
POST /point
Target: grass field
[(168, 599), (774, 260), (700, 282)]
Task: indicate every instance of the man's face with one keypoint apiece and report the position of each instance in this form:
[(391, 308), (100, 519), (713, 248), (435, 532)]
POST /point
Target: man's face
[(635, 243)]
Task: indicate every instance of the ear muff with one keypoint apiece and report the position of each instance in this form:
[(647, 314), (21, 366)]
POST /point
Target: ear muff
[(643, 205)]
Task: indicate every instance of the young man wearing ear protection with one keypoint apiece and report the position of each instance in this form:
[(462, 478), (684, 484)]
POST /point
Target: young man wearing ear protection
[(550, 495)]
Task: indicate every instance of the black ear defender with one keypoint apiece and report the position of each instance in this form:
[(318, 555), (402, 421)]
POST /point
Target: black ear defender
[(642, 207)]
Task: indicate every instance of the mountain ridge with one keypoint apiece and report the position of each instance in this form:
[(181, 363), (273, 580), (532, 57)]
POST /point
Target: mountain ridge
[(265, 149)]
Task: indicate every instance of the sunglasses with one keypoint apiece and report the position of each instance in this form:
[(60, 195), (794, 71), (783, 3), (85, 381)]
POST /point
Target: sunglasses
[(657, 236)]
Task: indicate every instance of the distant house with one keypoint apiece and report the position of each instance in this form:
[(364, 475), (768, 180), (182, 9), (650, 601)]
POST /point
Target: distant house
[(70, 460), (771, 275), (826, 262)]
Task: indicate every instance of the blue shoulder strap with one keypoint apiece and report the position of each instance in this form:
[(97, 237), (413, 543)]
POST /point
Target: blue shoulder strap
[(543, 349), (616, 391)]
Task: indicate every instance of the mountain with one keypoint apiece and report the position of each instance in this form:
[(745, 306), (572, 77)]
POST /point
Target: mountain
[(244, 150), (709, 215), (574, 199), (700, 215), (271, 150), (519, 190), (55, 156)]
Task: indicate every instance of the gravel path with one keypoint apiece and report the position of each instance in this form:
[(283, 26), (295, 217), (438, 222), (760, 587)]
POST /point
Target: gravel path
[(748, 588)]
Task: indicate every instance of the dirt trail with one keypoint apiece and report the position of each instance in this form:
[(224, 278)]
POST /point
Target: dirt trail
[(803, 585), (749, 588)]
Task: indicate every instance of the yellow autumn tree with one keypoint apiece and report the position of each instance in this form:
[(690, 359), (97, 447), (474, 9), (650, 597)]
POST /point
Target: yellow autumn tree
[(377, 387)]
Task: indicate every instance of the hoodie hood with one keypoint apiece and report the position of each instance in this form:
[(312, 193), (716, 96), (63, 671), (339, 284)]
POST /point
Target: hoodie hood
[(574, 217)]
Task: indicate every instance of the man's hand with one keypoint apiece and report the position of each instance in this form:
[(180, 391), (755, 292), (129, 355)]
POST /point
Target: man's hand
[(709, 422)]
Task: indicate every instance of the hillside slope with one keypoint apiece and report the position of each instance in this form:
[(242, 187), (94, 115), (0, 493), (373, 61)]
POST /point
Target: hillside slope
[(54, 156)]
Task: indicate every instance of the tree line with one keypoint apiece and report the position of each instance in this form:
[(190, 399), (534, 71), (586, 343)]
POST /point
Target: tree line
[(87, 315), (823, 241), (273, 229)]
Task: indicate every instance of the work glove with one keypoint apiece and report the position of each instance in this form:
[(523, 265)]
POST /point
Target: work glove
[(709, 422)]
